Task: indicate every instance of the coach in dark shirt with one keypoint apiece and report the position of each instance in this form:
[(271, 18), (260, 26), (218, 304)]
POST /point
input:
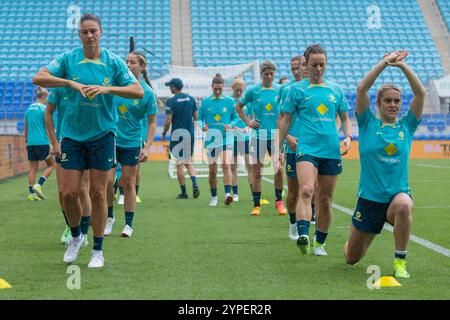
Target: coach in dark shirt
[(181, 112)]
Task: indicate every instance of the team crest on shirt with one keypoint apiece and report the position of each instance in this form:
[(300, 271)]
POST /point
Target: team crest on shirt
[(224, 110), (332, 98), (401, 135), (135, 102), (106, 81)]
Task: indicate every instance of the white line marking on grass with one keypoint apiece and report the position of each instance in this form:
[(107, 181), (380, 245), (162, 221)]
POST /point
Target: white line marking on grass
[(432, 207), (432, 166), (423, 242)]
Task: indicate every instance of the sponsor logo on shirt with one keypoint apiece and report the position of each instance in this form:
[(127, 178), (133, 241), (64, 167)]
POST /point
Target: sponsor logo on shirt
[(390, 149), (123, 109), (322, 109), (217, 117), (183, 99)]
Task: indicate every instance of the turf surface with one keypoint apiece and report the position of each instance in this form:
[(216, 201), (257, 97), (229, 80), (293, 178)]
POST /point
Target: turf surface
[(182, 249)]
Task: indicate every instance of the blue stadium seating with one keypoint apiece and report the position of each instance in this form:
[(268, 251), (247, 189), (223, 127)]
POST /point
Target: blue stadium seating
[(289, 26), (32, 33)]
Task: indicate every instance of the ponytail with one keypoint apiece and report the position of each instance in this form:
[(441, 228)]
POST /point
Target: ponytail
[(218, 79)]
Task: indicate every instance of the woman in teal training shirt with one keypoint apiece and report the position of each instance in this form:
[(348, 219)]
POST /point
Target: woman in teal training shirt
[(129, 150), (216, 113), (384, 147), (92, 76), (316, 102)]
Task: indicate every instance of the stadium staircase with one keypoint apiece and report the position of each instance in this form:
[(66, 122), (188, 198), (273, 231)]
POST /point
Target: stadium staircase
[(438, 30), (181, 32)]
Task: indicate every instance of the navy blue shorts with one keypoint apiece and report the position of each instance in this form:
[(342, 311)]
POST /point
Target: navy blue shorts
[(328, 167), (370, 216), (38, 153), (99, 154), (241, 147), (259, 148), (291, 165), (128, 156), (181, 150)]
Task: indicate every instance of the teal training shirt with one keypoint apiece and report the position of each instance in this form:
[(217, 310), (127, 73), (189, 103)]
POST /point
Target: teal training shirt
[(87, 119), (238, 122), (131, 112), (216, 112), (316, 107), (384, 153), (34, 116), (58, 98), (264, 107)]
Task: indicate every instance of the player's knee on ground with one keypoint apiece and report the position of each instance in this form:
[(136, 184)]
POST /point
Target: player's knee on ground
[(352, 257)]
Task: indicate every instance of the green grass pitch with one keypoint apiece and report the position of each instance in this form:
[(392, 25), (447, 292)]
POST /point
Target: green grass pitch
[(182, 249)]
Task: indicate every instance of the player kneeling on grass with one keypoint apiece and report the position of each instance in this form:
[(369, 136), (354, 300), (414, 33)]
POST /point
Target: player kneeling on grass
[(384, 147), (38, 147), (129, 138), (216, 113)]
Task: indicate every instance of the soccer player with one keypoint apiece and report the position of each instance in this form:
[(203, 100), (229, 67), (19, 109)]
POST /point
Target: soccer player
[(181, 112), (384, 148), (38, 148), (241, 140), (56, 102), (92, 76), (129, 149), (316, 102), (263, 99), (299, 71), (216, 114)]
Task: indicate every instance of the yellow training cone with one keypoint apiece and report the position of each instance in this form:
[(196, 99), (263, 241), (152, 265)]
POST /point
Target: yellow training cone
[(264, 201), (387, 281), (4, 284)]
